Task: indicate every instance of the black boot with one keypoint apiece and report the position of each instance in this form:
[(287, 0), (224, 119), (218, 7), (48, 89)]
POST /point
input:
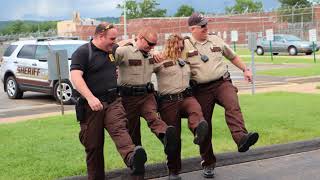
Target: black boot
[(170, 141), (247, 141), (137, 161), (201, 132)]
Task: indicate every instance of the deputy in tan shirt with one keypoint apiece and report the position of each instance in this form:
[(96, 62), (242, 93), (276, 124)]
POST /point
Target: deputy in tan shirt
[(136, 66), (176, 100), (212, 84)]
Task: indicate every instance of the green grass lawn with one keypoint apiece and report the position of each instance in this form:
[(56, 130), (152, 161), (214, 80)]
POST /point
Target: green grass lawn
[(281, 59), (49, 148), (314, 70), (241, 51), (245, 54)]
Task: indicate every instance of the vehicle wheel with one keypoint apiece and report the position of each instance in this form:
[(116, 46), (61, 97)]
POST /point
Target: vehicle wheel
[(65, 92), (308, 53), (275, 53), (260, 51), (13, 90), (293, 51)]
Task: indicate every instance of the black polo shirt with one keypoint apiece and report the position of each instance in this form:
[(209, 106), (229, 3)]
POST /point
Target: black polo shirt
[(100, 73)]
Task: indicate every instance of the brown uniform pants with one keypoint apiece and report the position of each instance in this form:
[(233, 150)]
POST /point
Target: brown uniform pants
[(223, 93), (113, 119), (142, 106), (172, 112)]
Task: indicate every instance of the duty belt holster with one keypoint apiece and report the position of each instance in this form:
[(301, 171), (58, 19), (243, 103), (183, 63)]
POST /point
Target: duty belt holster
[(80, 103), (136, 90)]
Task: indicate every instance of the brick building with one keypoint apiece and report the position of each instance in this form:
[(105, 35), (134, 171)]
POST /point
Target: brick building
[(222, 25)]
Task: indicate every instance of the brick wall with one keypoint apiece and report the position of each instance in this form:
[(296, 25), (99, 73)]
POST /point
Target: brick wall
[(255, 22)]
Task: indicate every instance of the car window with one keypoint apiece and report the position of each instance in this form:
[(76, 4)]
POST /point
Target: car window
[(42, 52), (27, 51), (292, 38), (69, 47), (10, 50), (277, 38)]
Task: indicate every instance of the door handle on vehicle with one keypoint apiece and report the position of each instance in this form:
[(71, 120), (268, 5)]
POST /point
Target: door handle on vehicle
[(34, 64), (15, 62)]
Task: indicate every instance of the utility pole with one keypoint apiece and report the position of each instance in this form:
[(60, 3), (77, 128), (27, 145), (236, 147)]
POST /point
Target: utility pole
[(125, 20)]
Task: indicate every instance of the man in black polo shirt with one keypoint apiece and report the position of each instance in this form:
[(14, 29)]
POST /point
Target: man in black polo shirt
[(93, 73)]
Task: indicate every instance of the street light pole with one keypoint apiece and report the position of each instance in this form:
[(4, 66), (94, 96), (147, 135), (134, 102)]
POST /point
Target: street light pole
[(125, 20)]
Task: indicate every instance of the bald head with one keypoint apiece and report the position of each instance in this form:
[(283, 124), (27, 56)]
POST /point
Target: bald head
[(148, 32), (147, 38)]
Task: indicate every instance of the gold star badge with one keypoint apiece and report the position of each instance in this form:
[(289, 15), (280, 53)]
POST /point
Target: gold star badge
[(111, 57)]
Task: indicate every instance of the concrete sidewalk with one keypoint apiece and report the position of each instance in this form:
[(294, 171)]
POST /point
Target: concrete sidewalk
[(302, 166), (290, 161)]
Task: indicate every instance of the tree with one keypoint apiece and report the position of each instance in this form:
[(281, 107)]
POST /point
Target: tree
[(242, 6), (292, 3), (146, 8), (184, 11), (17, 27)]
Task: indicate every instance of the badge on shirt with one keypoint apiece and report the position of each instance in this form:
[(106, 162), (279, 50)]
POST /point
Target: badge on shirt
[(192, 53), (215, 49), (168, 64), (111, 57)]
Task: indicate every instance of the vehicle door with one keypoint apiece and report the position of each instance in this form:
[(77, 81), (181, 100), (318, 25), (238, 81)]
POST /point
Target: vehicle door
[(41, 62), (282, 44), (26, 67), (276, 44)]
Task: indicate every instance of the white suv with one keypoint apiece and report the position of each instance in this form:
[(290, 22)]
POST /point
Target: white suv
[(25, 68)]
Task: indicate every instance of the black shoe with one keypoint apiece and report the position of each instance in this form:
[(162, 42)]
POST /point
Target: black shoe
[(208, 172), (138, 159), (201, 132), (247, 141), (170, 141)]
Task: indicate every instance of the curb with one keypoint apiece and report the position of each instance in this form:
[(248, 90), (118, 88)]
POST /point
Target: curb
[(223, 159), (32, 117), (304, 79)]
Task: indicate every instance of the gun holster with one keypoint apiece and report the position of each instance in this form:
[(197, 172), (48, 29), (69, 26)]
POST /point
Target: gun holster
[(80, 108)]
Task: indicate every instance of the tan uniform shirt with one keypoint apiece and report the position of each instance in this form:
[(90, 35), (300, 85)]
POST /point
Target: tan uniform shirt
[(134, 69), (215, 49), (171, 77)]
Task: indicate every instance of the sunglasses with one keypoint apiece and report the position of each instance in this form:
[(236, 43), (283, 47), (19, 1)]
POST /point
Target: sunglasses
[(151, 44), (203, 26)]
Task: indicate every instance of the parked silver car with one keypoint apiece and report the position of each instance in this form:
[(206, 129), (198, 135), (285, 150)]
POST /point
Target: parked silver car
[(285, 43)]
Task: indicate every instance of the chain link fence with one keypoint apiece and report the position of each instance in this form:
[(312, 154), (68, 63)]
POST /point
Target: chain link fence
[(296, 21), (15, 37)]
